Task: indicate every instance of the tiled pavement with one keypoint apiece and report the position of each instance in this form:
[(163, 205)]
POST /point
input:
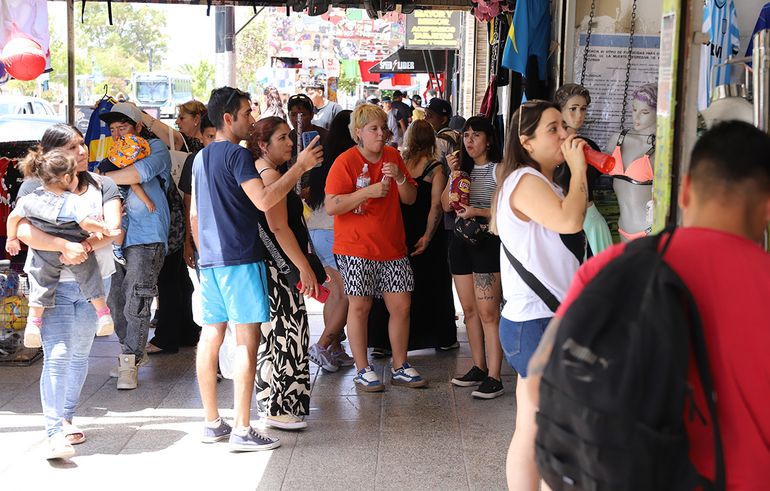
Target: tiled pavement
[(147, 439)]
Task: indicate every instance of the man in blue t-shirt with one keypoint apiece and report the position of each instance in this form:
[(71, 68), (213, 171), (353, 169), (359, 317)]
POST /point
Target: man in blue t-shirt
[(228, 196), (135, 284)]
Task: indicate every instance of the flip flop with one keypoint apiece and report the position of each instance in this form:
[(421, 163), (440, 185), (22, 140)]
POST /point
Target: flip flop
[(73, 434)]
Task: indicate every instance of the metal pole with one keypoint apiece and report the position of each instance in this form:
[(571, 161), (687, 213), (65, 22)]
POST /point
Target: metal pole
[(760, 79), (225, 45), (71, 61)]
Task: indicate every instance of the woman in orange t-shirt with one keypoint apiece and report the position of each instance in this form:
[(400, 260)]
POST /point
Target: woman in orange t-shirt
[(369, 241)]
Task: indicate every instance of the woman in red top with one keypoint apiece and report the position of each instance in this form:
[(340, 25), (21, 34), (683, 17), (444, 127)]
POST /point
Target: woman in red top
[(369, 242)]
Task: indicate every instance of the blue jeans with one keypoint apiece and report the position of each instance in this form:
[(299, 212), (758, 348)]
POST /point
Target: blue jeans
[(519, 341), (68, 332)]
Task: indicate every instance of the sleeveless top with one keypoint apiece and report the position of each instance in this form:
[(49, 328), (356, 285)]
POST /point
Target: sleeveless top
[(294, 218), (551, 257), (483, 184)]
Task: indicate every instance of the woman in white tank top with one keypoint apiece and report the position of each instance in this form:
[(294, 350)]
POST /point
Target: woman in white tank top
[(542, 228)]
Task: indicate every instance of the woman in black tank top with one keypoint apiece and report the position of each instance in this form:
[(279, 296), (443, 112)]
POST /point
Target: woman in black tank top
[(283, 371)]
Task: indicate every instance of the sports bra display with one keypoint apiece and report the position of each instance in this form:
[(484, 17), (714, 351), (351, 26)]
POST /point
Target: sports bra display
[(633, 187)]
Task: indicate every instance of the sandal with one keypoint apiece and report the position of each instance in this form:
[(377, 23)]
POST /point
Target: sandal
[(59, 448), (73, 434)]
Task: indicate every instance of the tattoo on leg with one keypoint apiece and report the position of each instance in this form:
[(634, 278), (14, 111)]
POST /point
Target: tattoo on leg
[(483, 281)]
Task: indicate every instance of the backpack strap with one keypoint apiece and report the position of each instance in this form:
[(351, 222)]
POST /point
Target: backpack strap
[(701, 358), (701, 362), (536, 285)]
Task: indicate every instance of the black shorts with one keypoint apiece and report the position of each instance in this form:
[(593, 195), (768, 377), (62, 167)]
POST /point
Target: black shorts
[(482, 258)]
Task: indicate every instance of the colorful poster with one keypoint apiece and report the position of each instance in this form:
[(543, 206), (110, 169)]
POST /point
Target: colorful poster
[(670, 37), (342, 33)]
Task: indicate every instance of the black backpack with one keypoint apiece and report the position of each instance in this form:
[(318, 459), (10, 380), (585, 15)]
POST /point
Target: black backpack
[(614, 391)]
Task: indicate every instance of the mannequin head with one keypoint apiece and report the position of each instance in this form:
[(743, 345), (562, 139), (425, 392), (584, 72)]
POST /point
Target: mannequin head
[(644, 104), (573, 99)]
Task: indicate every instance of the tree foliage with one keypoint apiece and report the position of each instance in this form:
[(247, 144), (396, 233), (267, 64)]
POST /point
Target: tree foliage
[(348, 85), (250, 52), (137, 32), (203, 78)]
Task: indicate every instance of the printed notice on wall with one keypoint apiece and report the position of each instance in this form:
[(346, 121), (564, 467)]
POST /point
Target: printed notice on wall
[(434, 29), (605, 78)]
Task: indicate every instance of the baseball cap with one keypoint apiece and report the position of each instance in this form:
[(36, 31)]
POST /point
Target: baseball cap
[(387, 99), (416, 98), (440, 107), (120, 112)]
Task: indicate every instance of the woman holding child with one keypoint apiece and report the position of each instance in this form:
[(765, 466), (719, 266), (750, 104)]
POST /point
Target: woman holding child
[(68, 328)]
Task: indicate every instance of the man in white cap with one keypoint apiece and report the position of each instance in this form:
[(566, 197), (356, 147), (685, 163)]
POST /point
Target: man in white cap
[(136, 284)]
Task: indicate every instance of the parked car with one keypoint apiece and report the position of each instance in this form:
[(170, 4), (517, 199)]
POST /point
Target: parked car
[(20, 104), (25, 127)]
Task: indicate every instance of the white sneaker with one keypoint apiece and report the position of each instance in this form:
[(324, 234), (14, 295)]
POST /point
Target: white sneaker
[(285, 422), (115, 371), (106, 326), (322, 357)]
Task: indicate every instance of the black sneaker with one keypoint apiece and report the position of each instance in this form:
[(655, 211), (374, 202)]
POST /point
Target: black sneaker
[(474, 377), (489, 389)]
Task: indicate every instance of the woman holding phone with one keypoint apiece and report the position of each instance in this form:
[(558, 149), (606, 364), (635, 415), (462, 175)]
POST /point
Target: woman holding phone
[(283, 370)]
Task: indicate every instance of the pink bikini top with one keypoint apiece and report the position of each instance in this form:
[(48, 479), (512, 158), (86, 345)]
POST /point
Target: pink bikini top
[(640, 169)]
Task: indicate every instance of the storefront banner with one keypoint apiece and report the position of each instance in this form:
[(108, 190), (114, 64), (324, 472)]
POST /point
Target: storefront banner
[(606, 76), (434, 29)]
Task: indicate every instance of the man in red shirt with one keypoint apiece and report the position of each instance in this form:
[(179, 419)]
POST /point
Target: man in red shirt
[(725, 202)]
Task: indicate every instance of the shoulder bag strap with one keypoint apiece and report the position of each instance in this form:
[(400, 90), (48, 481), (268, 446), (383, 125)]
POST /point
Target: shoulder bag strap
[(536, 285), (171, 145)]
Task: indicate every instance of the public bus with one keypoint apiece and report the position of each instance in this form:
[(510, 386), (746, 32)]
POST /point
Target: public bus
[(162, 90)]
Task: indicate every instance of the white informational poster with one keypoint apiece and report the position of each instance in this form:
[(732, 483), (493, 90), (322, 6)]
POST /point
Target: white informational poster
[(605, 78)]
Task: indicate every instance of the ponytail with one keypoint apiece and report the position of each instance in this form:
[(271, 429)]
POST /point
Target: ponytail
[(49, 167)]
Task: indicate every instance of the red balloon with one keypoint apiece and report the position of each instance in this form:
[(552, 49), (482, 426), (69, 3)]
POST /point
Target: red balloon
[(24, 58)]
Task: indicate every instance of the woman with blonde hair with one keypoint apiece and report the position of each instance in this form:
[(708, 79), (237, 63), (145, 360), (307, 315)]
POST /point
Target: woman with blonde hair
[(364, 190), (541, 231), (188, 120), (432, 317)]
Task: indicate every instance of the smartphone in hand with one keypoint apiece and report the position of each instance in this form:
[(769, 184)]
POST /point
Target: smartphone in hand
[(307, 137), (323, 292)]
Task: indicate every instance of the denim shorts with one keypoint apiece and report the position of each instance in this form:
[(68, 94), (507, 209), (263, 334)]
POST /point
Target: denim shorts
[(235, 293), (520, 340), (323, 240)]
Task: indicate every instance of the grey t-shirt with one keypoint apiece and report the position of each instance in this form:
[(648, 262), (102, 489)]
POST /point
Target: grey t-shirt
[(324, 116)]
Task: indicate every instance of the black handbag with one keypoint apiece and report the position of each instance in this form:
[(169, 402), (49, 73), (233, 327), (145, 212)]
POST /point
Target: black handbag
[(473, 231)]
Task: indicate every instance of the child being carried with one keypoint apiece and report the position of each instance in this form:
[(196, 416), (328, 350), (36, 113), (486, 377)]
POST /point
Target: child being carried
[(126, 151), (54, 208)]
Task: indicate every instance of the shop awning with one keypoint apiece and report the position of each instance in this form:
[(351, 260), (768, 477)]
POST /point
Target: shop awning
[(411, 61)]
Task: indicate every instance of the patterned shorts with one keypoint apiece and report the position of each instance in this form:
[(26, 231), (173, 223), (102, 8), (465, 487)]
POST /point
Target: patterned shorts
[(369, 278)]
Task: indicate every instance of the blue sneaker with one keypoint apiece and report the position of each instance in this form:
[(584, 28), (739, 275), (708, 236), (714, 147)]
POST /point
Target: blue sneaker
[(407, 376), (368, 381), (252, 442), (213, 435)]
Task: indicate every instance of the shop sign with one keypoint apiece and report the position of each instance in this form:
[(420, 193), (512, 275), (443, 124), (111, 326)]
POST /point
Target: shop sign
[(434, 29)]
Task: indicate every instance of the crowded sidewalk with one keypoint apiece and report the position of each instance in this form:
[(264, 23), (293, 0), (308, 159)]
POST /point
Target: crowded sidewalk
[(432, 438)]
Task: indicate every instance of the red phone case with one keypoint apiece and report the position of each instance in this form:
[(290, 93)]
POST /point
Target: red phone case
[(323, 292)]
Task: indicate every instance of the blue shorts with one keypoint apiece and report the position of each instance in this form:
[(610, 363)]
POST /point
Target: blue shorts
[(520, 340), (323, 240), (235, 293)]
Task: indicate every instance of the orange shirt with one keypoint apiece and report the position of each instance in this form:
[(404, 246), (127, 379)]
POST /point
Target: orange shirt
[(378, 234)]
